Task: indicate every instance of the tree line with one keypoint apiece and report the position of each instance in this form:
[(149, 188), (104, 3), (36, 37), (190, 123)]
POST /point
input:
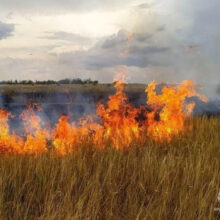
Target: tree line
[(49, 82)]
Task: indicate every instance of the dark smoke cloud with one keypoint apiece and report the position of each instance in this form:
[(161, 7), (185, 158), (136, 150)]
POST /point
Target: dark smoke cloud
[(118, 50)]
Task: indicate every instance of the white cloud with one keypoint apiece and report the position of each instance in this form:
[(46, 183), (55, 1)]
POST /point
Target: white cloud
[(64, 6)]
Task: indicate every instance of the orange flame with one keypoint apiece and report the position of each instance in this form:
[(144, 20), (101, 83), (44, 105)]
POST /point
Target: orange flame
[(36, 137), (119, 125), (173, 108), (118, 118), (9, 143)]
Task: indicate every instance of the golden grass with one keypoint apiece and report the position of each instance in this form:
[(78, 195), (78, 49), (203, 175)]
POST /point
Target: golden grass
[(177, 180)]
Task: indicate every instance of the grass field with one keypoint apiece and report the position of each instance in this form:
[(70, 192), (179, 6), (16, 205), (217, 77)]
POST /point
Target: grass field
[(21, 94), (176, 180), (15, 89)]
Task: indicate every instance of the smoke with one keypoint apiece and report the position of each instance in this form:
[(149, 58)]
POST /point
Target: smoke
[(77, 105), (1, 101), (74, 104)]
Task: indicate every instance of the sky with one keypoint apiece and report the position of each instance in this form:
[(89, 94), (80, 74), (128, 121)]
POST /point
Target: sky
[(162, 40)]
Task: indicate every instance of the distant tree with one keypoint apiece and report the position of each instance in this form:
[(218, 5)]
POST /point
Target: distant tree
[(77, 81), (50, 82), (95, 82), (64, 81)]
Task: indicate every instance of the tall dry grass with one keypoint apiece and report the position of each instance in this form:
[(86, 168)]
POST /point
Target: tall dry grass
[(177, 180)]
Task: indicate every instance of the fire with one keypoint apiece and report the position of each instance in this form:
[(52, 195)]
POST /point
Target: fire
[(9, 143), (64, 136), (36, 137), (119, 122), (171, 108), (119, 118)]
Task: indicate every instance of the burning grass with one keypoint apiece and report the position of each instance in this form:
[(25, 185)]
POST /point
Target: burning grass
[(152, 162), (120, 123), (179, 179)]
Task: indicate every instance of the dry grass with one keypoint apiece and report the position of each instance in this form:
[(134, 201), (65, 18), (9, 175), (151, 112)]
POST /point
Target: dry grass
[(177, 180), (87, 88)]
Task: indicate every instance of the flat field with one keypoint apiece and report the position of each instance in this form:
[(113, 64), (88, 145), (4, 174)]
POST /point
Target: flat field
[(75, 94), (154, 180), (70, 88)]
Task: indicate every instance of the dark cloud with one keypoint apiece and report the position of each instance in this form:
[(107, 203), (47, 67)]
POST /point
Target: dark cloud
[(122, 39), (148, 50), (138, 57), (118, 50), (115, 40), (142, 37), (6, 30)]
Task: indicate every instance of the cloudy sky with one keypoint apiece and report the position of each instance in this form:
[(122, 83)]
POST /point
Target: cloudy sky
[(163, 40)]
